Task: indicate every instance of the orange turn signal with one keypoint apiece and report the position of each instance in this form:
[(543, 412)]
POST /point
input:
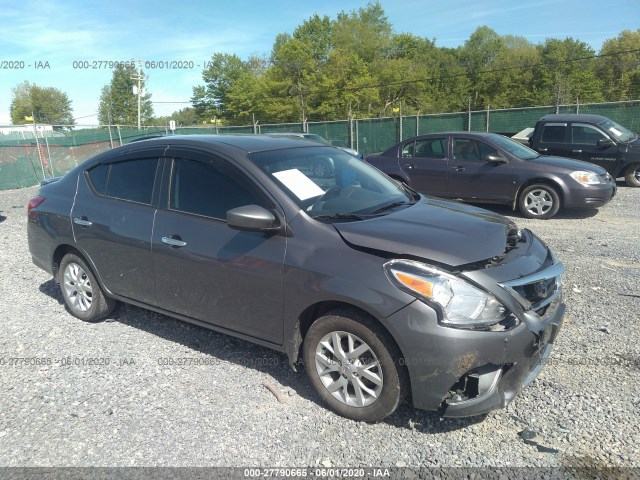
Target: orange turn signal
[(417, 284)]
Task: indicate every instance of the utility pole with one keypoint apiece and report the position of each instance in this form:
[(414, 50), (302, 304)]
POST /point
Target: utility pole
[(138, 90)]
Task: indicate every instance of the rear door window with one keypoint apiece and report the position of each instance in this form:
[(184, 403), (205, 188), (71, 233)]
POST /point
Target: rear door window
[(132, 180), (554, 133), (426, 148)]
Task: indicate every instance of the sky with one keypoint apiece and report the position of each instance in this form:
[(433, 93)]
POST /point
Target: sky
[(54, 39)]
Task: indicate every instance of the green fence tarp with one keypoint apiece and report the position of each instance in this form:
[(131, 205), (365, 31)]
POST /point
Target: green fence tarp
[(23, 160)]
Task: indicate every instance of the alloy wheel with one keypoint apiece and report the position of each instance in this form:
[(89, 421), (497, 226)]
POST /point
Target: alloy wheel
[(349, 369), (77, 287), (538, 202)]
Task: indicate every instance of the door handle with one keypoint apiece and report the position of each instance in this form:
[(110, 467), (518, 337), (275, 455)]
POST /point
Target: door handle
[(410, 166), (174, 242), (82, 221), (543, 150), (576, 151), (458, 168)]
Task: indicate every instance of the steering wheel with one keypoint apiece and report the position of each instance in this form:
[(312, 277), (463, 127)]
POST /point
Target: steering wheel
[(332, 192)]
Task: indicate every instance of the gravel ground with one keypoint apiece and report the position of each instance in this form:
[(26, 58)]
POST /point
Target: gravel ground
[(583, 410)]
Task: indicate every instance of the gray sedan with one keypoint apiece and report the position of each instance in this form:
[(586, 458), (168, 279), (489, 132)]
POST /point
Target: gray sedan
[(378, 291), (490, 168)]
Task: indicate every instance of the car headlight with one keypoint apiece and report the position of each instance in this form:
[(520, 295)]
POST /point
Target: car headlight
[(462, 305), (586, 178)]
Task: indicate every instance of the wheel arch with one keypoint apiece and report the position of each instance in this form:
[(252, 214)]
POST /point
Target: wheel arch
[(557, 186), (58, 255), (626, 169), (316, 311), (64, 249)]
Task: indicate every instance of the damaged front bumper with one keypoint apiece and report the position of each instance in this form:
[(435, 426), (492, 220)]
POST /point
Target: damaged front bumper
[(491, 387), (460, 372)]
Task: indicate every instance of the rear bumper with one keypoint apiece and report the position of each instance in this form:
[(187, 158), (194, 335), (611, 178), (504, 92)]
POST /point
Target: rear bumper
[(443, 360)]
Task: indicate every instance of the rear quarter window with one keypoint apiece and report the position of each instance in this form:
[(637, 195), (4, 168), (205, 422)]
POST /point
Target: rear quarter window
[(98, 178)]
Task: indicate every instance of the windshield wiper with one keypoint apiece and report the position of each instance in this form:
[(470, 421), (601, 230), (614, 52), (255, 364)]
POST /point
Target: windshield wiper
[(389, 206), (340, 216)]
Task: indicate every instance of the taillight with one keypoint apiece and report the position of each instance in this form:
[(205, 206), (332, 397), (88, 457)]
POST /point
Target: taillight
[(33, 203)]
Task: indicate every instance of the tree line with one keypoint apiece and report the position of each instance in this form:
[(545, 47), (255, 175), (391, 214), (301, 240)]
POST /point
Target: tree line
[(356, 66)]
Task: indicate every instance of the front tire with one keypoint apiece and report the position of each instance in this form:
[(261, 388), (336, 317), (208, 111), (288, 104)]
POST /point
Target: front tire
[(632, 175), (82, 294), (354, 366), (539, 201)]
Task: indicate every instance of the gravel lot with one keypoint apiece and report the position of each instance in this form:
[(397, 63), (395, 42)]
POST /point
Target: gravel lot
[(583, 410)]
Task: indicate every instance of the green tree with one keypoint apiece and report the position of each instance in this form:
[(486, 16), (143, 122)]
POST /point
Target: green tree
[(119, 105), (568, 73), (344, 88), (619, 69), (46, 104), (355, 64), (366, 32), (294, 74), (210, 100), (317, 33), (479, 54), (512, 82), (184, 117)]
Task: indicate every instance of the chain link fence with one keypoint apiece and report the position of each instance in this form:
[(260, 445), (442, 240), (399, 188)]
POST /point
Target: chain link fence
[(30, 153)]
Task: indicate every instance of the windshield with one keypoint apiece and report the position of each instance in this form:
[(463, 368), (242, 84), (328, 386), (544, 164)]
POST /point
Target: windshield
[(514, 148), (618, 131), (329, 184)]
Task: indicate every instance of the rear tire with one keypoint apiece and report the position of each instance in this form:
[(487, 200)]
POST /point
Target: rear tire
[(539, 201), (632, 175), (82, 293), (354, 366)]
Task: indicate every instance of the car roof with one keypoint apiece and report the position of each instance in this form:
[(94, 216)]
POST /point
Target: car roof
[(247, 142), (437, 134), (574, 117)]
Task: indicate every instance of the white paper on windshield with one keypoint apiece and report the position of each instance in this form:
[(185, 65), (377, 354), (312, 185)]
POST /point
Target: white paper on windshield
[(301, 185), (615, 131)]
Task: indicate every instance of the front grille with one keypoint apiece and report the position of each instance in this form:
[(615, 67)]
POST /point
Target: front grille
[(539, 291), (536, 291)]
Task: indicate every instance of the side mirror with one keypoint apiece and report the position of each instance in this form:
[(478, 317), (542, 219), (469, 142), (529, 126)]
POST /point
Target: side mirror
[(495, 159), (605, 142), (252, 218)]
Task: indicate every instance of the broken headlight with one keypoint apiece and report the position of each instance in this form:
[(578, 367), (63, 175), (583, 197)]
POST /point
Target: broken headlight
[(462, 304)]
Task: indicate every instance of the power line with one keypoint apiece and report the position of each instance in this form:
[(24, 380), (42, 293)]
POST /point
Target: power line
[(482, 72), (466, 73)]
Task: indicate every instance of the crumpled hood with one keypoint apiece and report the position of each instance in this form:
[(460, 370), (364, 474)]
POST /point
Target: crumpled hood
[(438, 230), (568, 163)]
